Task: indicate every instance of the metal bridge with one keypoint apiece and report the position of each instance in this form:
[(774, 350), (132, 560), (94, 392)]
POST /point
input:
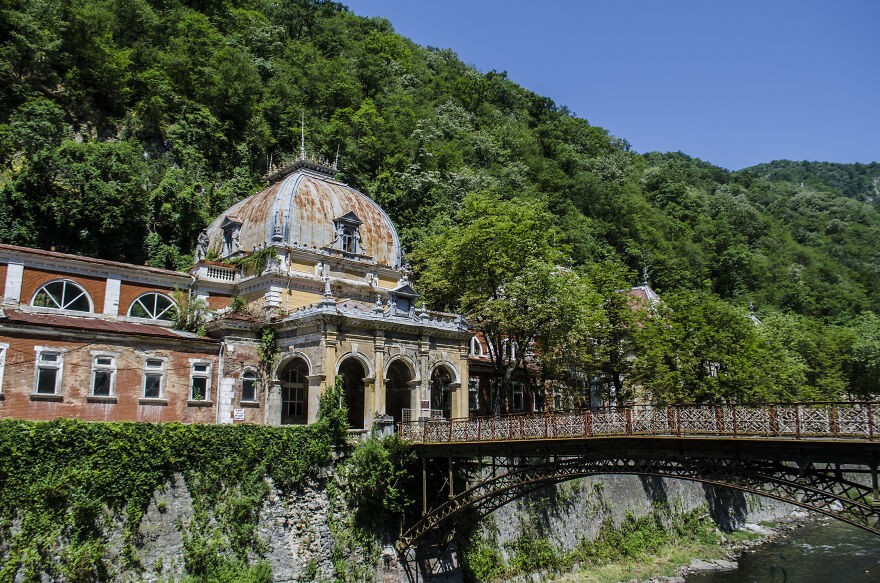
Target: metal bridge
[(814, 455)]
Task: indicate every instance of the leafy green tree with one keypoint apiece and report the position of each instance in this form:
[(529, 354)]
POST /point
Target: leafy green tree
[(865, 368), (700, 349), (499, 263)]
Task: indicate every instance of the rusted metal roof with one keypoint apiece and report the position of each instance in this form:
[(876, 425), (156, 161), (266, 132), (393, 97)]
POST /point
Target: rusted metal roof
[(96, 325), (303, 206)]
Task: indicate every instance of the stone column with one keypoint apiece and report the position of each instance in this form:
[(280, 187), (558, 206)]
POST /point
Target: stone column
[(379, 403), (329, 365), (415, 396), (314, 396), (369, 400), (424, 365), (273, 403), (460, 406), (111, 297)]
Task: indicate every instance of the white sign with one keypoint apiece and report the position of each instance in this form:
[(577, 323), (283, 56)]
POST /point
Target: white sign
[(238, 414)]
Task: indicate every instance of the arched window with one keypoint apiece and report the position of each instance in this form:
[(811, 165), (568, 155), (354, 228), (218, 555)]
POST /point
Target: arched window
[(249, 386), (62, 295), (476, 347), (441, 391), (153, 306), (294, 392)]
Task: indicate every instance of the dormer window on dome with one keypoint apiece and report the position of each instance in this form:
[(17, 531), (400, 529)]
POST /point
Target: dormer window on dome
[(403, 298), (347, 234), (231, 233)]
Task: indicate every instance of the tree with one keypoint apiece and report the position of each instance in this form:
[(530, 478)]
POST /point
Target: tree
[(700, 349), (615, 337), (499, 263), (865, 367)]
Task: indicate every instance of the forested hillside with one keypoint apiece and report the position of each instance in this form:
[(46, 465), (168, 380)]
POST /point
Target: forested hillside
[(126, 125), (859, 181)]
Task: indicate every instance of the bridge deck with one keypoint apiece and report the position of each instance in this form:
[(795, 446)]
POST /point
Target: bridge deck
[(839, 451)]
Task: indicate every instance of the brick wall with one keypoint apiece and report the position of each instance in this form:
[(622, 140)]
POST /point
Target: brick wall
[(33, 278), (129, 292), (19, 379)]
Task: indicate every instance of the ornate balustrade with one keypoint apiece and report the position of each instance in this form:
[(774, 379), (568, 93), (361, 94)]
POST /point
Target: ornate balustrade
[(218, 273), (839, 420)]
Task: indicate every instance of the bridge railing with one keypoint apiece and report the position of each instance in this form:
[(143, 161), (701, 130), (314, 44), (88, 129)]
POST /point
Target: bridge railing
[(854, 420)]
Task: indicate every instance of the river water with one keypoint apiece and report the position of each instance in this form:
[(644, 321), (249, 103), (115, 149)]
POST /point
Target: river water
[(825, 551)]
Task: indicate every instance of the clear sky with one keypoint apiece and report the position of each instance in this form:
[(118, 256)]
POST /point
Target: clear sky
[(734, 82)]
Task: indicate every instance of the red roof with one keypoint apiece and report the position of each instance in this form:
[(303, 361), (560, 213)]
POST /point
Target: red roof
[(97, 325)]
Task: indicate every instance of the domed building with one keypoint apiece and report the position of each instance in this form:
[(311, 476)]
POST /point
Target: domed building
[(331, 278), (309, 258)]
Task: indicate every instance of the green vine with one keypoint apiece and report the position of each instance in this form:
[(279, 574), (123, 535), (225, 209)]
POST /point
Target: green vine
[(63, 481), (268, 353), (255, 262)]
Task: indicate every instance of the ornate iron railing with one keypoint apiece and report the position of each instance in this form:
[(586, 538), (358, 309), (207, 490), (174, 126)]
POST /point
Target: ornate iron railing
[(838, 420)]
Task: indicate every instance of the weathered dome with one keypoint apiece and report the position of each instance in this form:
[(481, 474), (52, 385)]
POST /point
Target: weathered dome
[(306, 207)]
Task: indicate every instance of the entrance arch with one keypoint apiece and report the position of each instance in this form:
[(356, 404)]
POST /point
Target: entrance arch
[(441, 390), (398, 391), (294, 392), (353, 374)]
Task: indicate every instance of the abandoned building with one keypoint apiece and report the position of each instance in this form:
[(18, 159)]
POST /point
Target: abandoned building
[(309, 257)]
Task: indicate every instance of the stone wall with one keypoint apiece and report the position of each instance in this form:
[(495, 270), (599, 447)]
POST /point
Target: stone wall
[(305, 531), (572, 510)]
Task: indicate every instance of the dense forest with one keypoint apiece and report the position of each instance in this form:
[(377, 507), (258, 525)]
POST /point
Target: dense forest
[(127, 125)]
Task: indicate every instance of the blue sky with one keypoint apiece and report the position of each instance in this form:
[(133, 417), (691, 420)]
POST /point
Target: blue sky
[(734, 83)]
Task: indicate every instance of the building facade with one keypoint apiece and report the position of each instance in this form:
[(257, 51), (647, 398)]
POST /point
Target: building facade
[(309, 258)]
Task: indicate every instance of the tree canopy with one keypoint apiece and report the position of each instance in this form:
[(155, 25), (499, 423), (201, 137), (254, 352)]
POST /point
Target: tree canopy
[(127, 125)]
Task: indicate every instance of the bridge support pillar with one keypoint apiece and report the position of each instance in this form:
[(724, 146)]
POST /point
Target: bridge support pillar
[(424, 488), (875, 487), (451, 487)]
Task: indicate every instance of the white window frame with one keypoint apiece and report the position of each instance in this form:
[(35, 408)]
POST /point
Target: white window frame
[(476, 347), (255, 378), (474, 388), (206, 374), (61, 308), (517, 387), (96, 367), (4, 348), (158, 318), (58, 366), (160, 370)]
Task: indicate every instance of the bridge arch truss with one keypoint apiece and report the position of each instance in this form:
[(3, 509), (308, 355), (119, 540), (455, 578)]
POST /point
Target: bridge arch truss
[(818, 477)]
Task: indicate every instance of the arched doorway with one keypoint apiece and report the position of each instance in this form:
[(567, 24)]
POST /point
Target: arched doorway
[(353, 374), (441, 393), (397, 390), (294, 392)]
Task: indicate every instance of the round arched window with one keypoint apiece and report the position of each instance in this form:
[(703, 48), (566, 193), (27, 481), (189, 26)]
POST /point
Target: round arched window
[(249, 386), (62, 295), (153, 306)]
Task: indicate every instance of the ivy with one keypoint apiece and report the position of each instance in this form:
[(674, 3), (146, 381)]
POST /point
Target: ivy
[(62, 482), (255, 262), (267, 351)]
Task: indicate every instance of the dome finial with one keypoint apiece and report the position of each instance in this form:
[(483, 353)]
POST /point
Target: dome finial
[(302, 143)]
